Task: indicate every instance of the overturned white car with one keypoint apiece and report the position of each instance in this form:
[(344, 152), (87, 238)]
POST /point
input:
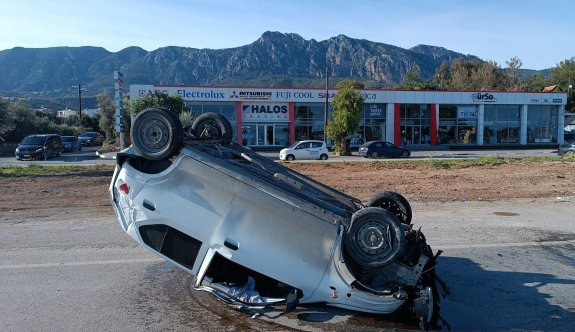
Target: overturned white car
[(255, 233)]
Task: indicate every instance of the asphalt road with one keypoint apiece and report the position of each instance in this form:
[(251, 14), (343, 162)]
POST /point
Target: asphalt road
[(88, 156), (509, 266)]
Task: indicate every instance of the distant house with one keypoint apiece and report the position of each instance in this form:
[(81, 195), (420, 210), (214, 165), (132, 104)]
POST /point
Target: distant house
[(66, 113), (552, 88), (91, 112)]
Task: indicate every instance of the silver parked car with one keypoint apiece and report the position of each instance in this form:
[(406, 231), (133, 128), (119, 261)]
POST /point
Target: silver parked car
[(255, 233), (309, 149)]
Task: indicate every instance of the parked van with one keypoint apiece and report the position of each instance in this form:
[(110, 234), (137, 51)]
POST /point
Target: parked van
[(39, 147)]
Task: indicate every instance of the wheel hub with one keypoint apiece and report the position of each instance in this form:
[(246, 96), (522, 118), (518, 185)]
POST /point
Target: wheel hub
[(155, 134), (373, 238)]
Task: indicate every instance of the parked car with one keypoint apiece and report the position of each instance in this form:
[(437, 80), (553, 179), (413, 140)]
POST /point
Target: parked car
[(91, 138), (71, 144), (566, 148), (309, 149), (255, 233), (376, 149), (40, 146)]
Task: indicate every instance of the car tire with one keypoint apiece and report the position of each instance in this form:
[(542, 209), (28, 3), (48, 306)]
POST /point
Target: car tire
[(212, 127), (374, 155), (157, 134), (394, 203), (323, 157), (375, 238), (290, 157), (405, 154)]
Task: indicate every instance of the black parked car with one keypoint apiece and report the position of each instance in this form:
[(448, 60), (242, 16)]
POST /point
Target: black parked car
[(39, 147), (376, 149), (91, 138), (71, 144)]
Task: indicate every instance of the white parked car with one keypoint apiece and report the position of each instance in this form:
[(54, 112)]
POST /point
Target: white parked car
[(255, 233), (309, 149)]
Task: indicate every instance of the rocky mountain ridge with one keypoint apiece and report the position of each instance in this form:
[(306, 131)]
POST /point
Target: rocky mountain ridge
[(275, 59)]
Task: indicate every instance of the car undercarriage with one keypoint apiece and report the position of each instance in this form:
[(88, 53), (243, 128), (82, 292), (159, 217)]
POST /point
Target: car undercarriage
[(255, 233)]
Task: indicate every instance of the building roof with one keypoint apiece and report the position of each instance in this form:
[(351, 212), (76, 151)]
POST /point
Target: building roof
[(552, 88)]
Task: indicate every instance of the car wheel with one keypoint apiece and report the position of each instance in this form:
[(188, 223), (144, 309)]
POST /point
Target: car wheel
[(157, 134), (375, 238), (374, 155), (405, 154), (394, 203), (323, 157), (212, 127), (290, 157)]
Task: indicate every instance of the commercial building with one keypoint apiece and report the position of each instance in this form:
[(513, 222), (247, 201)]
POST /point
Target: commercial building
[(276, 117)]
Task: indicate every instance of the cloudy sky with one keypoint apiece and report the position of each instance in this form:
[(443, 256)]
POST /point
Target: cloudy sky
[(540, 33)]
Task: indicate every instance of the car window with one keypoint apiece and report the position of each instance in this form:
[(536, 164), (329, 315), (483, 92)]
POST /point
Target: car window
[(33, 140), (316, 144), (377, 145), (302, 146), (389, 145)]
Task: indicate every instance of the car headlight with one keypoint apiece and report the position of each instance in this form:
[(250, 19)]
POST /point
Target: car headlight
[(40, 150), (17, 151)]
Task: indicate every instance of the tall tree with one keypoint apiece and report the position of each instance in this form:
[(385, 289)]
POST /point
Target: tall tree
[(174, 103), (6, 124), (537, 82), (512, 72), (347, 106), (107, 114), (486, 75), (412, 79), (564, 75)]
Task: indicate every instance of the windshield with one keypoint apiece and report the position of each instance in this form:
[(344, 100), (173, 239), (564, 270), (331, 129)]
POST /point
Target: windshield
[(68, 138), (33, 140), (89, 134)]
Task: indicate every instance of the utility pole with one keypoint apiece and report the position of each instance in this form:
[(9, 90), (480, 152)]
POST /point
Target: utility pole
[(80, 101), (326, 103)]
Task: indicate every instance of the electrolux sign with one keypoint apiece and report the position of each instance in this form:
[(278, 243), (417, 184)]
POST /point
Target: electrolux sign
[(254, 112)]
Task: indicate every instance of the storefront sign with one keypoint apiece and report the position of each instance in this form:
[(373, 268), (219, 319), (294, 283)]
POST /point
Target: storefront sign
[(467, 112), (265, 112), (480, 97), (376, 111), (251, 95)]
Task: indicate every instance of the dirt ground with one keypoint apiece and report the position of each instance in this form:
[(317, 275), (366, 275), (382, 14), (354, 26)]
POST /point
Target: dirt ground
[(58, 195)]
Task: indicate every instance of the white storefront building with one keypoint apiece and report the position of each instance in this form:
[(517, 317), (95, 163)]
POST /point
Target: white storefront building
[(276, 117)]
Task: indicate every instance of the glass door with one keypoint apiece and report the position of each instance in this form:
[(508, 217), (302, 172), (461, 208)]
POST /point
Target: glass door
[(265, 134)]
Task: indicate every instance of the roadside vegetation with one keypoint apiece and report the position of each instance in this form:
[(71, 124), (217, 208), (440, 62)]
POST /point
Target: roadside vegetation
[(64, 170), (107, 170)]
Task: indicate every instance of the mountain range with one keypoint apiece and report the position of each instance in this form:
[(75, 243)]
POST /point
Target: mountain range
[(275, 60)]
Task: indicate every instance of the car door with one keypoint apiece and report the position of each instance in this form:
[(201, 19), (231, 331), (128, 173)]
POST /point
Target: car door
[(314, 150), (395, 151), (302, 151)]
